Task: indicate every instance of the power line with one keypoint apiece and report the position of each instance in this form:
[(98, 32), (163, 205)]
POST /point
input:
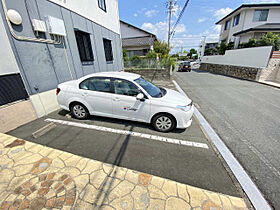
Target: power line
[(179, 18)]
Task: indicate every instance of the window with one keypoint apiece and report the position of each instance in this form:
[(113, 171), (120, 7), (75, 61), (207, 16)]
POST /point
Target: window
[(236, 20), (260, 15), (102, 4), (108, 50), (227, 25), (150, 88), (84, 46), (123, 87), (97, 84)]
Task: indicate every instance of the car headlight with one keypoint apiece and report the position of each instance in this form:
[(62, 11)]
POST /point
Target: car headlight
[(185, 108)]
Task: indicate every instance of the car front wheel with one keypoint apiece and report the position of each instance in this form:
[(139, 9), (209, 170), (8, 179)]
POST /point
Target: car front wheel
[(163, 123), (79, 111)]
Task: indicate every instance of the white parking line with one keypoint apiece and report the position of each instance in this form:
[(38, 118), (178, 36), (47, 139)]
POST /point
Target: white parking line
[(243, 178), (130, 133)]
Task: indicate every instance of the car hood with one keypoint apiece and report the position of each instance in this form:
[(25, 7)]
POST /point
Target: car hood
[(175, 98)]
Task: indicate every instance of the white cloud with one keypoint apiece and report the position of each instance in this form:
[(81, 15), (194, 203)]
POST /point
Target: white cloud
[(188, 41), (200, 20), (135, 14), (160, 29), (176, 10), (151, 13), (220, 13)]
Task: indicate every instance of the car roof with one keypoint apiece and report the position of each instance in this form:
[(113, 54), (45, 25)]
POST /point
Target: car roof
[(115, 74)]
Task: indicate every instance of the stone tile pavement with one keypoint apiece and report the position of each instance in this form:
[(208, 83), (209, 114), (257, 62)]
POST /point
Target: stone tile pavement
[(33, 176)]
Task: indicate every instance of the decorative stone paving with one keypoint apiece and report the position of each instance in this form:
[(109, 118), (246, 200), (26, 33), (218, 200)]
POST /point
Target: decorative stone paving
[(37, 177)]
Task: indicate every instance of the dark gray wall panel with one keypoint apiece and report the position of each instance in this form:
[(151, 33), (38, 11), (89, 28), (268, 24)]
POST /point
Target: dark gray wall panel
[(71, 42), (45, 65)]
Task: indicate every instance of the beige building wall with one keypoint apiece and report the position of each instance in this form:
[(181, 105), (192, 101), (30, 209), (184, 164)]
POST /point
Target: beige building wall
[(15, 115), (44, 103)]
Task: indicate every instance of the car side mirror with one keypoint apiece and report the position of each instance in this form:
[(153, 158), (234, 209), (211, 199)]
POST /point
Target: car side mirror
[(140, 97)]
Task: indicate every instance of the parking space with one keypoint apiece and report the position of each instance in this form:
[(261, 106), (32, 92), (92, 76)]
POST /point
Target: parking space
[(185, 156)]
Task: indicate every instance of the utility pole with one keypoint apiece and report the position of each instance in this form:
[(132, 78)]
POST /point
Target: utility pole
[(170, 8)]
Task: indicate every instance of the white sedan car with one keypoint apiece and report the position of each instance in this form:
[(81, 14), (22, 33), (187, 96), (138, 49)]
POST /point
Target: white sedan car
[(125, 96)]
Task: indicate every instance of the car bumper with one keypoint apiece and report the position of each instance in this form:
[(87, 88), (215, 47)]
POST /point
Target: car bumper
[(184, 119)]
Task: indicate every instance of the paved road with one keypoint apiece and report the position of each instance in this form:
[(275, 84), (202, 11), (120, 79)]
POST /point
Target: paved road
[(246, 115)]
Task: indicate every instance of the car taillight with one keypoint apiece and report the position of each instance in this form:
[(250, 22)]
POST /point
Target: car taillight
[(57, 91)]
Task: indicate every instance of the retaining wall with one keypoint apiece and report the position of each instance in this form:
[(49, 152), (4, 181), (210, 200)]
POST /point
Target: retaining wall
[(151, 74), (229, 70), (255, 57)]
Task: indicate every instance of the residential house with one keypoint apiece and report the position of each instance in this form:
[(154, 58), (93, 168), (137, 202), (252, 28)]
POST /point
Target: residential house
[(203, 46), (250, 20), (136, 40), (211, 45), (47, 42)]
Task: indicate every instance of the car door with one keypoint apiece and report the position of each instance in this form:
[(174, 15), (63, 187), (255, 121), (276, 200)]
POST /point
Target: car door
[(97, 92), (125, 104)]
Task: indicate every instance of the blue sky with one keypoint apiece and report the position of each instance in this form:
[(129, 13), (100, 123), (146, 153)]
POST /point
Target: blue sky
[(198, 20)]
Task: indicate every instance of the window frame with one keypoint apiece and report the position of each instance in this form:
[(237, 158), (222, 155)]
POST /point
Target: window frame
[(136, 86), (111, 48), (227, 25), (84, 46), (101, 6), (91, 78), (236, 19), (259, 20)]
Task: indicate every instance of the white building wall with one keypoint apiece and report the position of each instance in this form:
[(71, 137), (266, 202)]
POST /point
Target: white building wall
[(90, 9), (256, 57), (246, 22), (7, 58)]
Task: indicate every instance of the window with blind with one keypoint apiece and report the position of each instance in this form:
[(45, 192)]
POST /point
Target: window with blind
[(108, 50), (84, 46)]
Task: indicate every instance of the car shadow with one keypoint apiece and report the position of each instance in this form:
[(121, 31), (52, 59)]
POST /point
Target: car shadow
[(119, 121)]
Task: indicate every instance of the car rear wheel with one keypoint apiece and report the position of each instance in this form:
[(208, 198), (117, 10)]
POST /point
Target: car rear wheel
[(79, 111), (163, 122)]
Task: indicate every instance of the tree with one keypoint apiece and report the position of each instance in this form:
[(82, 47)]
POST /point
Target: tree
[(222, 48), (125, 55), (151, 54), (161, 48), (192, 53), (270, 39)]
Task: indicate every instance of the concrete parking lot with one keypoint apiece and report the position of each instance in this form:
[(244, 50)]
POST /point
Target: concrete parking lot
[(195, 163)]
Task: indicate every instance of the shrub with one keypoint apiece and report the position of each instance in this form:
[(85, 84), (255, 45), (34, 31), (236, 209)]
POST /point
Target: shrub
[(222, 48)]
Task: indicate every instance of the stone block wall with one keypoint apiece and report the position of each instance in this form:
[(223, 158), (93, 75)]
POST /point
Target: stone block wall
[(152, 74), (235, 71), (271, 72)]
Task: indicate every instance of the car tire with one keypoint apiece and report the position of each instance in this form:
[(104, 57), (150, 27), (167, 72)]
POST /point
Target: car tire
[(79, 111), (164, 122)]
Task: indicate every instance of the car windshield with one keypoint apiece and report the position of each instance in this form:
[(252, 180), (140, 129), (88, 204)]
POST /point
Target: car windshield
[(186, 63), (150, 88)]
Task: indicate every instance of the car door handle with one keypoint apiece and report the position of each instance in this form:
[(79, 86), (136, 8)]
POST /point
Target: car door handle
[(116, 99), (84, 94)]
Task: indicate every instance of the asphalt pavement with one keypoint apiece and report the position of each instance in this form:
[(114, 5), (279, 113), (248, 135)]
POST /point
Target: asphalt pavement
[(246, 115), (192, 165)]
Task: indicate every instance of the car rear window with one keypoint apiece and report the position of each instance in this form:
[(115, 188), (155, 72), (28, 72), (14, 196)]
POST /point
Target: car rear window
[(96, 84)]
